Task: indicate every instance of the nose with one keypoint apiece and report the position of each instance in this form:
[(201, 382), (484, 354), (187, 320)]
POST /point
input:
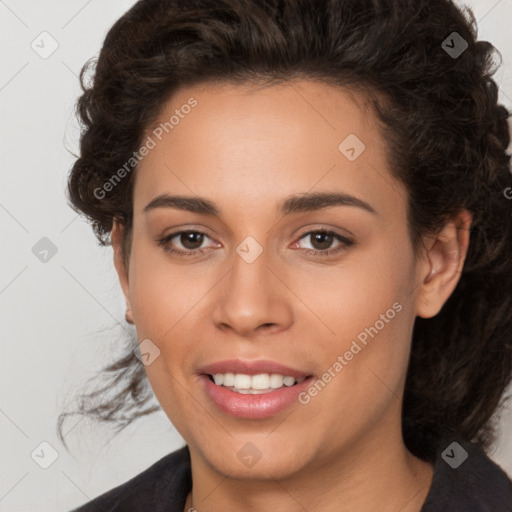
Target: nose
[(253, 298)]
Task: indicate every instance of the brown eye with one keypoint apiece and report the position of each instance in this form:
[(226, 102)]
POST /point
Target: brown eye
[(185, 243), (321, 240), (191, 240)]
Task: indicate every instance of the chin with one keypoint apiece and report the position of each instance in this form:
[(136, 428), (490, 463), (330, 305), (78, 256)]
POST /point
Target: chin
[(259, 459)]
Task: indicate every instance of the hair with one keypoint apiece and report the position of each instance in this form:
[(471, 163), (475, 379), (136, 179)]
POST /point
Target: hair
[(446, 134)]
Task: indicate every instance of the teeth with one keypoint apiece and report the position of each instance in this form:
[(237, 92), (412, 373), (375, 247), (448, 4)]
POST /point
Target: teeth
[(229, 379), (242, 381), (254, 384), (276, 381), (289, 381), (260, 381)]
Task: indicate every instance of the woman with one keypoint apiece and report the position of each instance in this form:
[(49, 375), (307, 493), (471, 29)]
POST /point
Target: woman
[(306, 205)]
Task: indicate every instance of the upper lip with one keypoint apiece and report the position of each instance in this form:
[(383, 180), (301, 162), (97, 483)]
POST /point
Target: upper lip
[(251, 368)]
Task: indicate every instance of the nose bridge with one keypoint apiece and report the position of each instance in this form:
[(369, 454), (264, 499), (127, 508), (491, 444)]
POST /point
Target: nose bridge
[(250, 273), (251, 296)]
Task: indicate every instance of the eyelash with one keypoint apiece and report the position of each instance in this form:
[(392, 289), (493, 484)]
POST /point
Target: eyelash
[(344, 243)]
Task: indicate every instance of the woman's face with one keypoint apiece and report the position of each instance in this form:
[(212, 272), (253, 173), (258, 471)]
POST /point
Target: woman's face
[(263, 284)]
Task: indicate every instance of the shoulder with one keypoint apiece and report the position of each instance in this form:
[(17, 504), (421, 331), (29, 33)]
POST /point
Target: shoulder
[(159, 487), (467, 480)]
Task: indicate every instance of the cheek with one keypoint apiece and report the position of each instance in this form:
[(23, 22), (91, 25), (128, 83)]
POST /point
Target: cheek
[(366, 317), (161, 293), (349, 297), (162, 299)]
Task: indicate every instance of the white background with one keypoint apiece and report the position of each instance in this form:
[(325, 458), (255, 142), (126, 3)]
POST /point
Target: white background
[(60, 317)]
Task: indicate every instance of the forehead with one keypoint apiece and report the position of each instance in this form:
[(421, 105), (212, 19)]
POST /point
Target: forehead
[(255, 143)]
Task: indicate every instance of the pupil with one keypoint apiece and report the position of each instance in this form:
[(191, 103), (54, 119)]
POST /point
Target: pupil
[(325, 243), (187, 239)]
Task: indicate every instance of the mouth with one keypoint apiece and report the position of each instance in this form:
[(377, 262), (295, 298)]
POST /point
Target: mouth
[(254, 384), (252, 389)]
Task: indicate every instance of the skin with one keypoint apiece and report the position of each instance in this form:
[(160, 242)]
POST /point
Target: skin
[(243, 146)]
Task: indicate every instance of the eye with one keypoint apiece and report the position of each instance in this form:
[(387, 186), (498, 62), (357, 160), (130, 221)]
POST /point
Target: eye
[(322, 240), (191, 241)]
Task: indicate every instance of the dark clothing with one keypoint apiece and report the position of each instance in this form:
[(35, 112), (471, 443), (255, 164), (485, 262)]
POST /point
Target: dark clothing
[(476, 485)]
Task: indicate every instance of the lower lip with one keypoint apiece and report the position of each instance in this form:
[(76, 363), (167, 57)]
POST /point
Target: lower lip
[(253, 406)]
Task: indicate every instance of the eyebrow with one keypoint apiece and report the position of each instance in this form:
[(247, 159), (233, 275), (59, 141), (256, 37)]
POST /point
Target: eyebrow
[(292, 204)]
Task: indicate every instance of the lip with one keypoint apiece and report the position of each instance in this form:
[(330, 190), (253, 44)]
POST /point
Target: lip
[(251, 368), (249, 406), (253, 406)]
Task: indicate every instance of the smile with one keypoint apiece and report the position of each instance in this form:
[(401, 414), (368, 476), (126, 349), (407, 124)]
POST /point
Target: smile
[(254, 384), (252, 389)]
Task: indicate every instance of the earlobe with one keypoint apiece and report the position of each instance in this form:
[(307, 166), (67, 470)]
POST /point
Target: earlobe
[(128, 315), (116, 237), (442, 265)]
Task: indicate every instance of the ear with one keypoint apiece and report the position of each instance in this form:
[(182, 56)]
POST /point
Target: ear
[(116, 237), (441, 265)]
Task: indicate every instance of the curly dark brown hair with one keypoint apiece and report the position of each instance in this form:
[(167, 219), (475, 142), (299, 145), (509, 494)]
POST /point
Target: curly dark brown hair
[(447, 137)]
